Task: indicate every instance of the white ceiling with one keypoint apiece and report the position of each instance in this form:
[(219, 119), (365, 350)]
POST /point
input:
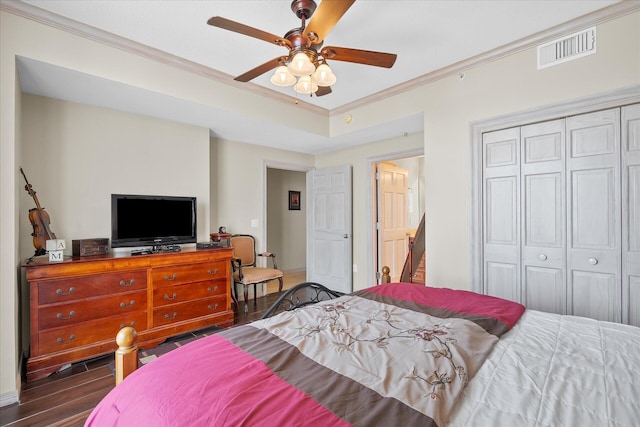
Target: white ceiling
[(426, 35)]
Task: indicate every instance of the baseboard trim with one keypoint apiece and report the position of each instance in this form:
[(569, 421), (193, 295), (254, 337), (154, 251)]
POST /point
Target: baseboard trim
[(9, 398)]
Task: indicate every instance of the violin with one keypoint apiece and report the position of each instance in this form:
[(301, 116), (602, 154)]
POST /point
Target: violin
[(39, 220)]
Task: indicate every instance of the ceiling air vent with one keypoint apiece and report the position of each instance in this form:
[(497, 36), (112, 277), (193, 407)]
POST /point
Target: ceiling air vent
[(567, 48)]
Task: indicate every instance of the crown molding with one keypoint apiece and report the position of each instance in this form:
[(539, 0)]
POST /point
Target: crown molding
[(608, 13), (97, 35)]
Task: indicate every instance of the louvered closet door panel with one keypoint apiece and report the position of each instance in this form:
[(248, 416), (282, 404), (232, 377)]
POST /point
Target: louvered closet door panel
[(501, 228), (631, 214), (593, 206), (543, 210)]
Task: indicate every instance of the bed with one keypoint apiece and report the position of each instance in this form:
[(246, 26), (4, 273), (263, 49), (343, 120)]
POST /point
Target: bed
[(394, 354)]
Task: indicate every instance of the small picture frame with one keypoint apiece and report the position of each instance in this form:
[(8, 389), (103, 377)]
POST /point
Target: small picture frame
[(294, 200)]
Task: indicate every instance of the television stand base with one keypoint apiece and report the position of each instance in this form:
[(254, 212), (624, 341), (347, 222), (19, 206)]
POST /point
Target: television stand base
[(156, 249)]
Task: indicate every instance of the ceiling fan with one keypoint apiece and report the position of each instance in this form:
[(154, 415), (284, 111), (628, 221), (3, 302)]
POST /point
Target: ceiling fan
[(305, 67)]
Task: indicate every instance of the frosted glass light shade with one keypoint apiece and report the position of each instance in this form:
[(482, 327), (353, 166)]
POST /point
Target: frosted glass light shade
[(324, 76), (305, 85), (300, 65), (282, 77)]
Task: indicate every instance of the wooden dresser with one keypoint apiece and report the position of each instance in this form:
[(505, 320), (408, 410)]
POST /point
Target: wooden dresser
[(78, 306)]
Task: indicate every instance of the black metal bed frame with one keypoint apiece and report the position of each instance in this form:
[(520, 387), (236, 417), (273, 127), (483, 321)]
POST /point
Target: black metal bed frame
[(301, 295)]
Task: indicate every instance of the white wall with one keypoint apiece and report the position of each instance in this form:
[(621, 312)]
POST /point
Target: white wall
[(415, 168)]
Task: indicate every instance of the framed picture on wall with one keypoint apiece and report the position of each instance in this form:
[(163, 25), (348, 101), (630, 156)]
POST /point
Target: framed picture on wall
[(294, 200)]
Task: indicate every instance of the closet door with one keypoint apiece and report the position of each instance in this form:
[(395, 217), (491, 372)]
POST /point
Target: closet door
[(501, 207), (631, 214), (543, 212), (593, 215)]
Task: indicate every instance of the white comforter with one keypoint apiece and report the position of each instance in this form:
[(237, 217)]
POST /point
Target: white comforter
[(553, 370)]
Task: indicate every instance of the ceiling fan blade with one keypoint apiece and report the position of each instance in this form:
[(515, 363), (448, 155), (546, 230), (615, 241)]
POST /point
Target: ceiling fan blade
[(227, 24), (323, 90), (367, 57), (261, 69), (326, 16)]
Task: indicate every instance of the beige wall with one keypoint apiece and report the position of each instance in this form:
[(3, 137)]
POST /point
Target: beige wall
[(76, 156), (238, 179), (449, 106), (504, 86)]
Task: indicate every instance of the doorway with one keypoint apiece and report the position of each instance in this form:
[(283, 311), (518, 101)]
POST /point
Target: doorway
[(285, 228), (397, 206)]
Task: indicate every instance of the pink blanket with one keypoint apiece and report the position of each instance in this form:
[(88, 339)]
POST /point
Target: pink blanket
[(397, 354)]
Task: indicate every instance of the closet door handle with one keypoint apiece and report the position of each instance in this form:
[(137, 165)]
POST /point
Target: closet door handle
[(542, 257), (592, 261)]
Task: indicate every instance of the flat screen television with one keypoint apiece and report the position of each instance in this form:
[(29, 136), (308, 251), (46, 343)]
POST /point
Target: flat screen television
[(139, 220)]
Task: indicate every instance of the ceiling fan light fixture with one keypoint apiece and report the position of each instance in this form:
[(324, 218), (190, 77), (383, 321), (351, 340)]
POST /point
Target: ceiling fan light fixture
[(323, 75), (305, 85), (300, 65), (282, 77)]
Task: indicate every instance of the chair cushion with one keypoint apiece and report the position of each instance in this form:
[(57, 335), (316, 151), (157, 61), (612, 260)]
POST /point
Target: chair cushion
[(257, 275)]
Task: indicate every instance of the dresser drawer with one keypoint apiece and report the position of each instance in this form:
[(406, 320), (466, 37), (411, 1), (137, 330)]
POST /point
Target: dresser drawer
[(188, 310), (53, 316), (77, 335), (190, 291), (168, 276), (63, 290)]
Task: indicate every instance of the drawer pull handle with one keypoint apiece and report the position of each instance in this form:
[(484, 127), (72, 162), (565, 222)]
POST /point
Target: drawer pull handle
[(212, 272), (61, 341), (71, 290), (132, 324), (169, 298), (131, 283), (169, 316), (124, 304), (167, 277), (592, 261), (542, 257), (215, 288), (61, 316), (210, 307)]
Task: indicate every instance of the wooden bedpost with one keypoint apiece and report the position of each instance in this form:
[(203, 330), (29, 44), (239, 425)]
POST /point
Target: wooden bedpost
[(386, 278), (126, 354)]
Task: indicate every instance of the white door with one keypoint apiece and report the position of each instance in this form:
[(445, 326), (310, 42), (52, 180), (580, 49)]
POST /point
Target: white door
[(631, 214), (393, 218), (329, 233), (543, 216), (501, 207), (593, 215)]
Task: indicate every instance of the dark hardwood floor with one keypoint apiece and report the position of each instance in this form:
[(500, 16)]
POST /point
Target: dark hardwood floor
[(67, 398)]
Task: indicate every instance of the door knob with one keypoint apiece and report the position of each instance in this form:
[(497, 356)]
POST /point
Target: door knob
[(346, 236), (592, 261), (542, 257)]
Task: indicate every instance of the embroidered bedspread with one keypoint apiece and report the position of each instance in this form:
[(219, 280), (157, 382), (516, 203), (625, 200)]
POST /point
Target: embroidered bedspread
[(397, 354)]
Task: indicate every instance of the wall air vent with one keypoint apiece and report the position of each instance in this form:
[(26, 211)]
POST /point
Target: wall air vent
[(567, 48)]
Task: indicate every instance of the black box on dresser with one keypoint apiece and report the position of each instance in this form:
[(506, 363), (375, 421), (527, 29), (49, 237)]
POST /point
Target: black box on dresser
[(89, 247)]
